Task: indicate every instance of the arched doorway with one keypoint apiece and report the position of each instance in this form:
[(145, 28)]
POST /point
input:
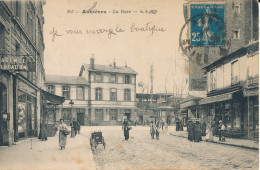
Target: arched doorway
[(3, 110)]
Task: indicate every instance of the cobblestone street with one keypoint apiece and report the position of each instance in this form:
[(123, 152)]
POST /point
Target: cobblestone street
[(142, 152)]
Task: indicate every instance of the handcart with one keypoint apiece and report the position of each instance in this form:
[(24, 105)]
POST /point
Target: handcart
[(95, 139)]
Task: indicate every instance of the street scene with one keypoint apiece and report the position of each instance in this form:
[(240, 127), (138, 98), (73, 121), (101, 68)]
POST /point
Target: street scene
[(129, 84)]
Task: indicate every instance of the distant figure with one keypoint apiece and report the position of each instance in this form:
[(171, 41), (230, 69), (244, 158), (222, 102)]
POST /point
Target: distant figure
[(189, 128), (203, 128), (62, 136), (78, 128), (126, 129), (209, 133), (180, 126), (75, 126), (197, 129), (152, 129), (43, 131), (162, 124), (157, 131)]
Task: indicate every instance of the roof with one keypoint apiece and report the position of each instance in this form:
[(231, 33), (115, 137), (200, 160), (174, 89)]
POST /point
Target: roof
[(110, 69), (249, 48), (59, 79)]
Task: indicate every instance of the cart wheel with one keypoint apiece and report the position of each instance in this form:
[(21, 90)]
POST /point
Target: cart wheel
[(104, 143)]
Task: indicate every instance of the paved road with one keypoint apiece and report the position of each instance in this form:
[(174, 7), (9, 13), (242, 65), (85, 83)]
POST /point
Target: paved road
[(142, 152)]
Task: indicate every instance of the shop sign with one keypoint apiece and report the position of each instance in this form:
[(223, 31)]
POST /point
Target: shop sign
[(13, 63)]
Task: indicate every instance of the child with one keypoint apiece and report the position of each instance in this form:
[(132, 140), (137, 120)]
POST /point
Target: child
[(157, 131)]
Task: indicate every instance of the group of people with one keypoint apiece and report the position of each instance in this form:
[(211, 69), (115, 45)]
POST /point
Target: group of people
[(196, 130), (155, 129), (75, 128)]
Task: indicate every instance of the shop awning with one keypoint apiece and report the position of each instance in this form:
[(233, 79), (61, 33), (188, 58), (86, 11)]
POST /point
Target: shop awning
[(51, 98), (250, 92), (217, 98)]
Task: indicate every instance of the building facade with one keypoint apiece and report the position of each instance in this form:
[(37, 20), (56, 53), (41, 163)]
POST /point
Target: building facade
[(112, 92), (21, 38), (100, 95), (74, 89), (233, 91)]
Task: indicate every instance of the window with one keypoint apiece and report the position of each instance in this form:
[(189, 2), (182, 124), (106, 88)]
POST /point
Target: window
[(113, 114), (80, 93), (234, 73), (213, 80), (113, 94), (127, 79), (99, 114), (98, 94), (112, 78), (236, 34), (127, 94), (237, 9), (66, 92), (51, 89), (98, 78)]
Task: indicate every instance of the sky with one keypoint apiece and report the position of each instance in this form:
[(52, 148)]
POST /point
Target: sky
[(71, 37)]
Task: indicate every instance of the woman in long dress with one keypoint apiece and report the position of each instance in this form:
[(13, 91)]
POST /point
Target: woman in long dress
[(62, 137), (209, 133)]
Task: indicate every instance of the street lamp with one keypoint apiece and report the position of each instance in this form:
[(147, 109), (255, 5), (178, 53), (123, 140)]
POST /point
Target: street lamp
[(71, 104)]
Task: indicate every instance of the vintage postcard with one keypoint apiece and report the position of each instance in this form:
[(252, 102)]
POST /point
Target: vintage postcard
[(129, 84)]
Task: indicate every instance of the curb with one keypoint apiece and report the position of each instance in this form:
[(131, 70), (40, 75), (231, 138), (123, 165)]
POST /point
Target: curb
[(240, 146)]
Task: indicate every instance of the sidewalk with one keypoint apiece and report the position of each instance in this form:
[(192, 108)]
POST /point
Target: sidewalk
[(243, 143), (47, 154)]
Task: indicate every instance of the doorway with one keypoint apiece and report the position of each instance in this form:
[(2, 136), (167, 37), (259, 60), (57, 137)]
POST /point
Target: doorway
[(3, 122)]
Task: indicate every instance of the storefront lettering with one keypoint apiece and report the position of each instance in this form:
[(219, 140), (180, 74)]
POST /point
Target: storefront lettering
[(13, 63)]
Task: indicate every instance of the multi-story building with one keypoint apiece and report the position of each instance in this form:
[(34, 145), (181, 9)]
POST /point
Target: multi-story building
[(240, 27), (112, 92), (233, 91), (75, 91), (21, 69), (100, 95)]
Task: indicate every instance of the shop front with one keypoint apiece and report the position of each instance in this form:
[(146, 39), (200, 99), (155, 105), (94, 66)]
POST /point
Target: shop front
[(26, 117)]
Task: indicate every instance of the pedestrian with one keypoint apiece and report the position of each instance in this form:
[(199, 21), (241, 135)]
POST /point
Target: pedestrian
[(43, 131), (78, 127), (152, 130), (197, 129), (177, 124), (126, 128), (219, 130), (209, 133), (63, 132), (192, 131), (75, 125), (166, 125), (162, 124), (56, 127), (203, 128), (181, 126), (157, 131), (189, 128)]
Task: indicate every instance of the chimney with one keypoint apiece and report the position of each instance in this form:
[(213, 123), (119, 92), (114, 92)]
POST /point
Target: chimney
[(92, 62), (114, 63)]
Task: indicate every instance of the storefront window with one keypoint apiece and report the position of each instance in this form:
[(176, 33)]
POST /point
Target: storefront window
[(22, 116), (66, 112)]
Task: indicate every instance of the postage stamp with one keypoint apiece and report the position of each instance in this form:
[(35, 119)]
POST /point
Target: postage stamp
[(207, 24)]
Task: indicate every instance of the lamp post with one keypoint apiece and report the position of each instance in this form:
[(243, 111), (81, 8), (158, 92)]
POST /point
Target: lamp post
[(71, 104)]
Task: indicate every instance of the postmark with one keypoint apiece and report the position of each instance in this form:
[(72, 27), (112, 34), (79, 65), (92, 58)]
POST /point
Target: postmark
[(204, 30)]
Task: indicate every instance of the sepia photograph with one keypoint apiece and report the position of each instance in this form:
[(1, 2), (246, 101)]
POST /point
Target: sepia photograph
[(129, 84)]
